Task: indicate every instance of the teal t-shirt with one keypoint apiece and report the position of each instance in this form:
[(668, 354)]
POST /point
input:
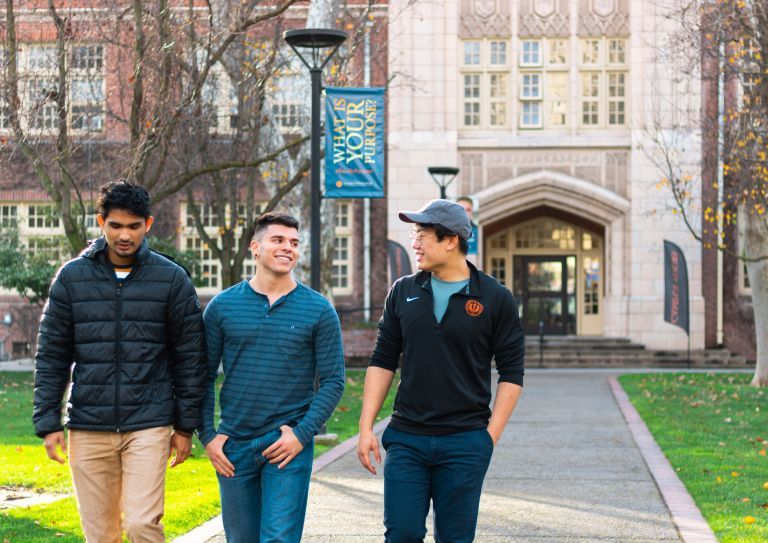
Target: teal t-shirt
[(441, 292)]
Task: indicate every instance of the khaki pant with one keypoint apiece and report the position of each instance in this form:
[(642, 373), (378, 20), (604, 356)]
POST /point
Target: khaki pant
[(120, 472)]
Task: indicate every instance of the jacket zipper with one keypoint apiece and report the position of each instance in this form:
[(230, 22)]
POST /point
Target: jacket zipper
[(117, 356)]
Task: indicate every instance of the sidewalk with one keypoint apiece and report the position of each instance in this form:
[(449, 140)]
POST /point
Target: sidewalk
[(567, 469), (21, 364)]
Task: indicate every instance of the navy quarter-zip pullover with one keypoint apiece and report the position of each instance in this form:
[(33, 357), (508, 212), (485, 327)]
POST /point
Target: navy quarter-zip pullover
[(445, 382)]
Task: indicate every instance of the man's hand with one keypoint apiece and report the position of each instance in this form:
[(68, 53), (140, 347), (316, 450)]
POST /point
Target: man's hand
[(183, 447), (215, 452), (367, 444), (51, 441), (284, 449)]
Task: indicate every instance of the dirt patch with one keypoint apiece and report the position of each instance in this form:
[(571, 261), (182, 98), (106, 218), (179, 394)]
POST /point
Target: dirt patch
[(24, 497)]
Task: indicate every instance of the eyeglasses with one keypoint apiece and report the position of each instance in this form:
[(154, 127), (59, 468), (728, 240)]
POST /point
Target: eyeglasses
[(419, 236)]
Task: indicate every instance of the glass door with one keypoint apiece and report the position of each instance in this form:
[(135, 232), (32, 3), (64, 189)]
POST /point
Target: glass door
[(545, 294)]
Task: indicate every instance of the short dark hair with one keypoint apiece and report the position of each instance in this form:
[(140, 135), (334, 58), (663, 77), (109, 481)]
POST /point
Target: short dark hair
[(125, 195), (274, 217), (465, 199), (441, 232)]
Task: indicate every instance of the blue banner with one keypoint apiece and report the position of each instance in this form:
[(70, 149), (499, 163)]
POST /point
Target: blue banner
[(472, 242), (354, 142)]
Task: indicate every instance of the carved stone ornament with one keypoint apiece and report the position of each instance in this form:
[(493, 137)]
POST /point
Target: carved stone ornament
[(603, 18), (549, 18), (544, 8), (484, 19), (603, 8), (556, 26), (484, 8)]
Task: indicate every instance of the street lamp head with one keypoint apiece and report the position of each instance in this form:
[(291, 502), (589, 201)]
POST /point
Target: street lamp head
[(442, 176), (316, 40), (442, 170)]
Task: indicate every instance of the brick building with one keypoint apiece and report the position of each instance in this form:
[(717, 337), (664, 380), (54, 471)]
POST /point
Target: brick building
[(96, 106)]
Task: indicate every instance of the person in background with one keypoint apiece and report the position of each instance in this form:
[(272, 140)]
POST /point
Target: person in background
[(472, 243)]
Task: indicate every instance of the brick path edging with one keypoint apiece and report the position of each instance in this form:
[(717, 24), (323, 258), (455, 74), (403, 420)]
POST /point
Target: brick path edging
[(685, 514)]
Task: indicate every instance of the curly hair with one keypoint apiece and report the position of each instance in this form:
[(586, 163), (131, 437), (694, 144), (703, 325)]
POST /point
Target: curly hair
[(124, 195)]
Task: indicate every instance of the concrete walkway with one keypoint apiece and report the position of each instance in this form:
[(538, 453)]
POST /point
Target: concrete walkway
[(567, 469)]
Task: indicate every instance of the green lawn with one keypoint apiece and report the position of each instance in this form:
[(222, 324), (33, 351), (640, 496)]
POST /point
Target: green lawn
[(192, 495), (713, 428)]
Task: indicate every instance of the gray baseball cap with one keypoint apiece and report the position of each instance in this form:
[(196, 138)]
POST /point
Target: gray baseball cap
[(448, 214)]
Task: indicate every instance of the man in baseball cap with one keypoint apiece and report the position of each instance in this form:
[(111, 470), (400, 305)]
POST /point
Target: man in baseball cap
[(444, 213), (448, 321)]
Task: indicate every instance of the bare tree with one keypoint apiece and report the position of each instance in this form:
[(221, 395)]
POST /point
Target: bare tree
[(726, 40), (269, 90), (155, 59)]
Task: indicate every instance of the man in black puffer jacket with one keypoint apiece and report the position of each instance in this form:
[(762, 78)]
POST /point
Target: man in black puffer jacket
[(123, 325)]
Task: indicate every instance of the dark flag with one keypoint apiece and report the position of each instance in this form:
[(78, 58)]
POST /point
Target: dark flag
[(675, 287), (399, 263)]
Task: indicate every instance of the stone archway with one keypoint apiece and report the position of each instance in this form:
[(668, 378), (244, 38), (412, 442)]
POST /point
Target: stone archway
[(547, 228)]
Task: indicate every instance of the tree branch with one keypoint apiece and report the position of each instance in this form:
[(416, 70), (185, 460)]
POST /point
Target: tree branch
[(180, 181)]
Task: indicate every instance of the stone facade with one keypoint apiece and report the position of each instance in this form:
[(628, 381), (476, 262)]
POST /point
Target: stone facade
[(604, 178)]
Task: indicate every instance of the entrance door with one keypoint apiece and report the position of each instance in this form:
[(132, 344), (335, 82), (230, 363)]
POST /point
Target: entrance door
[(545, 294)]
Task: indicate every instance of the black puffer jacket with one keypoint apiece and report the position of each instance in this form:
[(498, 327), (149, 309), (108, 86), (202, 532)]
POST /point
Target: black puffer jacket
[(137, 345)]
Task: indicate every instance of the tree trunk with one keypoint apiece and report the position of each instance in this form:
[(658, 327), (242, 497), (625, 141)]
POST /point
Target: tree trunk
[(756, 242)]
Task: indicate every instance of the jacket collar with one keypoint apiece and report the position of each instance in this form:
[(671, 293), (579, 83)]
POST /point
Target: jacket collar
[(98, 247), (422, 279)]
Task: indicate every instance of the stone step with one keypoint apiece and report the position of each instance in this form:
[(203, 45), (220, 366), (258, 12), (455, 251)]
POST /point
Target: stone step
[(624, 353), (651, 359), (583, 352), (570, 345), (639, 363)]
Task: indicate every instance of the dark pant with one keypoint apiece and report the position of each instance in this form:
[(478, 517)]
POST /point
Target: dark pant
[(448, 469), (262, 503)]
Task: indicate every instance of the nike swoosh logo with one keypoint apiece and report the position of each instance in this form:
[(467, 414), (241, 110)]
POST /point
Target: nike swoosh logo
[(409, 299)]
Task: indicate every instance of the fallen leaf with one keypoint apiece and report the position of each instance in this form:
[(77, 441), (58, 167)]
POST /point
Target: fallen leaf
[(761, 452), (765, 485), (745, 500)]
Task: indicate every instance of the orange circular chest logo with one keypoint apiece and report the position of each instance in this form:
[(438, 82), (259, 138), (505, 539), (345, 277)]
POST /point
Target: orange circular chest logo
[(473, 308)]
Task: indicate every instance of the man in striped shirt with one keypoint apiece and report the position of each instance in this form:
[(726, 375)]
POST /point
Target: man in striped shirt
[(272, 334)]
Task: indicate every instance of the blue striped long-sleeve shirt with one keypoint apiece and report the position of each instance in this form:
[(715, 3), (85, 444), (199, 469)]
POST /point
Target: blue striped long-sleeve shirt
[(269, 356)]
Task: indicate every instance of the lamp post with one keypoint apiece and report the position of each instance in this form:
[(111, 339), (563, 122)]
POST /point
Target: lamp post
[(442, 176), (315, 41)]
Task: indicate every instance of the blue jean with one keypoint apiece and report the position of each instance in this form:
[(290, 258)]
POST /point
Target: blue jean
[(448, 470), (263, 504)]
